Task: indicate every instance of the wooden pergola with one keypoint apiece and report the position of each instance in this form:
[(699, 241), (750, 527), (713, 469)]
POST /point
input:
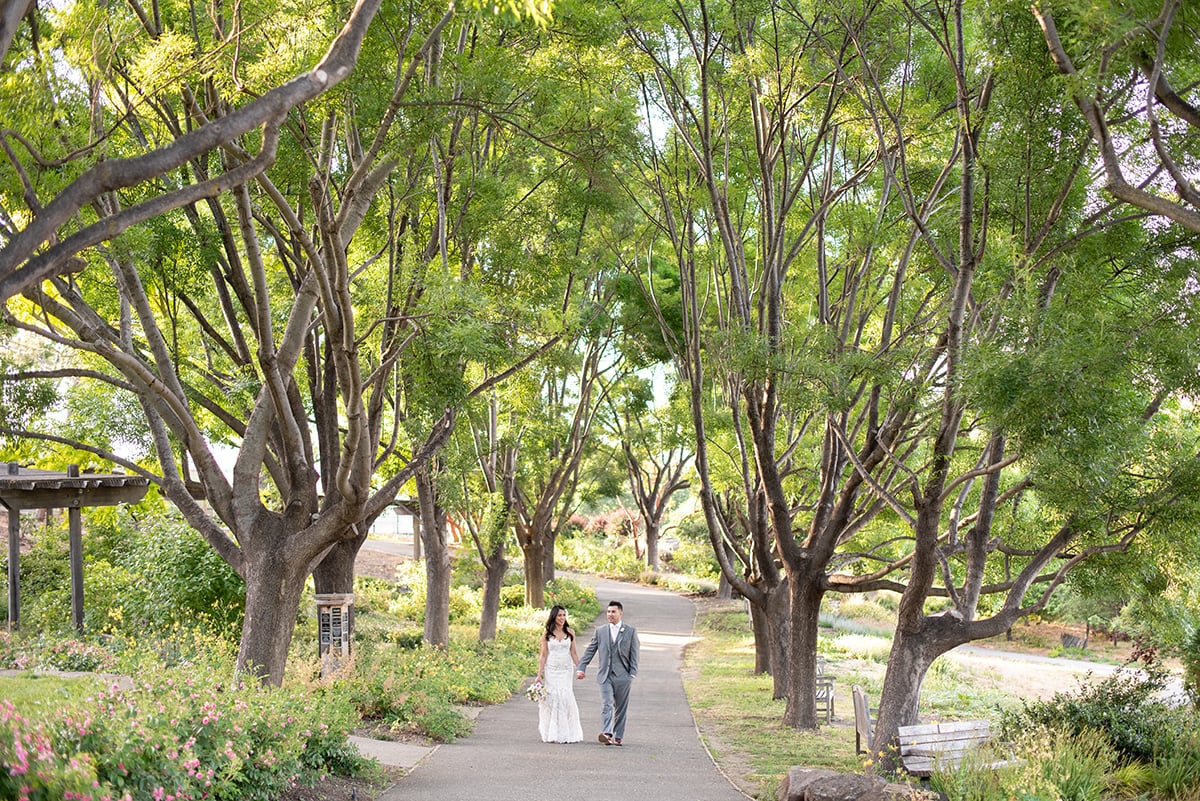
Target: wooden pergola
[(26, 488)]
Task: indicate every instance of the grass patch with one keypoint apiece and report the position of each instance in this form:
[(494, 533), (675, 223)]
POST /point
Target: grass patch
[(739, 720), (27, 692)]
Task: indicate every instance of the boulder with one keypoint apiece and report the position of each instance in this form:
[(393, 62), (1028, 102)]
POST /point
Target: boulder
[(818, 784)]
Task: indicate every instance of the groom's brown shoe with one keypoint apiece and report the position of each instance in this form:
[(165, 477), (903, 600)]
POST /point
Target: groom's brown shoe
[(616, 741), (605, 738)]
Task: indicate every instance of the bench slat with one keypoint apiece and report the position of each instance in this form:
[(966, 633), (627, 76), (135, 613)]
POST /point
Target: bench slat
[(924, 746)]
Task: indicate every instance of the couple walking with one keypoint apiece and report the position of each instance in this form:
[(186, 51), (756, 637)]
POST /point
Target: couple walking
[(615, 647)]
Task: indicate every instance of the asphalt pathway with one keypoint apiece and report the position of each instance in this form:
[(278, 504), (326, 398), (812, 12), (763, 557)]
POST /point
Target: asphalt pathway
[(662, 758)]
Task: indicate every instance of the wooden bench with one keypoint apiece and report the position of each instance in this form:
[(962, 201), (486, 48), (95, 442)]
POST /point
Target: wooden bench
[(863, 736), (823, 694), (927, 746)]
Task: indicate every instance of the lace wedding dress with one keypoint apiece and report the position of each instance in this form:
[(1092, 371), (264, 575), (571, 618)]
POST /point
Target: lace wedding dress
[(558, 714)]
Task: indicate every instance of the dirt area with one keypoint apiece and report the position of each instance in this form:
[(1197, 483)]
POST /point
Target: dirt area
[(377, 563), (338, 788)]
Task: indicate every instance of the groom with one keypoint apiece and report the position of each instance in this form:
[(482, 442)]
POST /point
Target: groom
[(617, 646)]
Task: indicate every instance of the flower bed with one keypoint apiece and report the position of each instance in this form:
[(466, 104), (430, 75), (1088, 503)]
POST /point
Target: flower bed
[(174, 738)]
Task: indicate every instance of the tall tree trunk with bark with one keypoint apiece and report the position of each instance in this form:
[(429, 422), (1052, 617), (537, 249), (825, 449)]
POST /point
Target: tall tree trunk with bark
[(437, 558), (274, 583), (495, 567)]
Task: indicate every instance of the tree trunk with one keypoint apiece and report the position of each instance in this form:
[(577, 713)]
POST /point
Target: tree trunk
[(805, 594), (911, 655), (335, 572), (535, 583), (652, 544), (494, 569), (724, 585), (274, 584), (760, 624), (437, 560), (548, 540), (779, 626)]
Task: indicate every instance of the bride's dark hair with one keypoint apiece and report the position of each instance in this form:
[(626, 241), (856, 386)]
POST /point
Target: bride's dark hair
[(550, 623)]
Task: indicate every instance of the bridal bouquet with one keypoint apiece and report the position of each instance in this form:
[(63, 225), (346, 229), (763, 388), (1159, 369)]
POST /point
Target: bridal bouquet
[(536, 692)]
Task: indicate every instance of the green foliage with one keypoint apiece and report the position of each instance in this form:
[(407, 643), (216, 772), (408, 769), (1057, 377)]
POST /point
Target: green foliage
[(1063, 767), (23, 401), (1124, 709), (694, 559), (973, 779), (1191, 666), (74, 655), (578, 598), (602, 557), (1175, 772), (142, 579), (512, 596), (397, 686)]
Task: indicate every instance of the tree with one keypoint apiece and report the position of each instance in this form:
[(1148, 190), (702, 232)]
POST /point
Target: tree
[(655, 451), (550, 442), (867, 290), (744, 185), (233, 322), (1132, 78), (39, 250), (1043, 401)]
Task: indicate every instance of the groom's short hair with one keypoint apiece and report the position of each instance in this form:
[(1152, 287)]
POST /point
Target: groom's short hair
[(616, 604)]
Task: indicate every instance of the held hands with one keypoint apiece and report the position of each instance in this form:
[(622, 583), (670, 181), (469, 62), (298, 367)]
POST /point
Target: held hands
[(579, 674)]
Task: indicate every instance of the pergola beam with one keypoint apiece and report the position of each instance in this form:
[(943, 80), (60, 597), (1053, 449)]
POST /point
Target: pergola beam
[(26, 488)]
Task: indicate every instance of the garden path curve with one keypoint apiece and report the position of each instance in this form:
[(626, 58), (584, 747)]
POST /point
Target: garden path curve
[(662, 759)]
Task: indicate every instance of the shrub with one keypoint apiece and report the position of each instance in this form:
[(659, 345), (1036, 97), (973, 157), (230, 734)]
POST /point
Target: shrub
[(1122, 708), (465, 603), (13, 655), (695, 558), (418, 689), (372, 595), (1191, 666), (185, 580), (689, 584), (1077, 767), (578, 599), (409, 601), (598, 556), (512, 597), (163, 575), (74, 655), (973, 779), (1176, 771)]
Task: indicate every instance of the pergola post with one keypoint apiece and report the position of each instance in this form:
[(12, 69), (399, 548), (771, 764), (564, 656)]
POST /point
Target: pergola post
[(14, 562), (75, 546)]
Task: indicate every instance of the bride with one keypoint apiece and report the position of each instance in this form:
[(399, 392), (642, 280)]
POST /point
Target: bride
[(558, 714)]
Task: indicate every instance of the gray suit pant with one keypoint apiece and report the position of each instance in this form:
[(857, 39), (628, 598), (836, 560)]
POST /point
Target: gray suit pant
[(614, 703)]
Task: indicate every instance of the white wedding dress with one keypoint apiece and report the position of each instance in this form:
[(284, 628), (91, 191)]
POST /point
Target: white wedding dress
[(558, 714)]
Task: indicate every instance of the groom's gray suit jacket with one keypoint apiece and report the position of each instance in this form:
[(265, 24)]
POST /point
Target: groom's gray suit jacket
[(617, 660)]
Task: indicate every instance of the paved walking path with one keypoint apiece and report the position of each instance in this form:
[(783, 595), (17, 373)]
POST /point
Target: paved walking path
[(662, 759)]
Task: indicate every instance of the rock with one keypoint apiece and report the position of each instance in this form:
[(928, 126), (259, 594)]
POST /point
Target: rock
[(818, 784)]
